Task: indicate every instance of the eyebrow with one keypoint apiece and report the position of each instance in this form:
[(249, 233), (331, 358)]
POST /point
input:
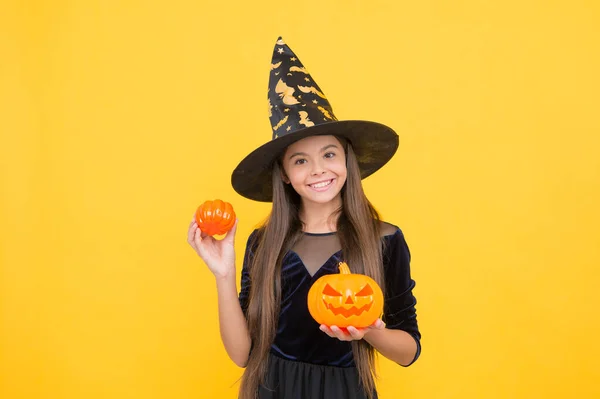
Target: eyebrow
[(305, 154)]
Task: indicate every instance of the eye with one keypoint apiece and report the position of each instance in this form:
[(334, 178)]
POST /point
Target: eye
[(330, 155), (299, 161), (328, 290), (366, 291)]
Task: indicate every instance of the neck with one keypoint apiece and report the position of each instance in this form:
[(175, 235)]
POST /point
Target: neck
[(317, 217)]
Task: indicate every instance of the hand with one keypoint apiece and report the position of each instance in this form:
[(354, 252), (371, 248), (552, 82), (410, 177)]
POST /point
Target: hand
[(351, 333), (219, 255)]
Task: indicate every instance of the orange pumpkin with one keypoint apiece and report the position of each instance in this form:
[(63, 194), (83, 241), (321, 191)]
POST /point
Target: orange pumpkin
[(345, 299), (215, 217)]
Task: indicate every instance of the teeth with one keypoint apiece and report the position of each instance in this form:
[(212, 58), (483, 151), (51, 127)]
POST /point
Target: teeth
[(319, 185)]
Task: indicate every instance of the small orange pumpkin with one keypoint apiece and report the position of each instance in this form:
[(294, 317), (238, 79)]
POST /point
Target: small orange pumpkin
[(215, 217), (345, 299)]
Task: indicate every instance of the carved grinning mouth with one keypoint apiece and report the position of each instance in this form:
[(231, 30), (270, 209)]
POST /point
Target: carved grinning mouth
[(352, 311)]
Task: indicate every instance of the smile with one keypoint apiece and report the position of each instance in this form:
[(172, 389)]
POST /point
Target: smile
[(321, 185), (352, 311)]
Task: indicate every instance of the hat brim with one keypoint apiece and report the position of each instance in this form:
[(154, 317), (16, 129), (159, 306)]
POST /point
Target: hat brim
[(373, 143)]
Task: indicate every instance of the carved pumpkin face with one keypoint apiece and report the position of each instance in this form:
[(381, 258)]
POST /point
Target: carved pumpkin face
[(215, 217), (345, 299)]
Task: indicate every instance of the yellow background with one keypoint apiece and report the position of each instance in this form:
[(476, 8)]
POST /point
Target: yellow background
[(118, 118)]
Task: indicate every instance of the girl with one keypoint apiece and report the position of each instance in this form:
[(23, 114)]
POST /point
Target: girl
[(311, 171)]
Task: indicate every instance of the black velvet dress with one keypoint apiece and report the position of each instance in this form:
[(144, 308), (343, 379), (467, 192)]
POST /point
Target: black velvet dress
[(305, 363)]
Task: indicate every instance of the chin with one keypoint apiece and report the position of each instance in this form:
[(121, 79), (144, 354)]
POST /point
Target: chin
[(324, 198)]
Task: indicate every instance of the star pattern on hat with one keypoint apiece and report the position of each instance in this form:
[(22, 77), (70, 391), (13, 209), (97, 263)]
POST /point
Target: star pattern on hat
[(294, 103)]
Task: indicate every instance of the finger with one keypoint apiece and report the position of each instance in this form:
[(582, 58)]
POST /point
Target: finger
[(332, 332), (355, 333), (230, 237), (339, 334), (197, 238), (379, 324), (327, 331), (191, 232), (195, 223)]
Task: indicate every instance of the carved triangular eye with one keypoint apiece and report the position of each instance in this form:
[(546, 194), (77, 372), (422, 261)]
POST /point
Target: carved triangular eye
[(328, 290), (366, 291)]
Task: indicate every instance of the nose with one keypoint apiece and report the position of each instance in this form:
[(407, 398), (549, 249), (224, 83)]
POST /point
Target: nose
[(317, 169), (349, 300)]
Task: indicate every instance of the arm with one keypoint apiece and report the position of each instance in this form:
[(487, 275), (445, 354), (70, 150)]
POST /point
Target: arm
[(232, 323), (397, 345), (400, 339), (219, 256)]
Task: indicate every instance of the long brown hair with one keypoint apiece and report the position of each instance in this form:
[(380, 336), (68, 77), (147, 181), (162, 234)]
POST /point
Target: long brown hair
[(358, 229)]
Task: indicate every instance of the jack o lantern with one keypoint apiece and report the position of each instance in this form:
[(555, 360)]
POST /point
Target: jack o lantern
[(345, 299), (215, 217)]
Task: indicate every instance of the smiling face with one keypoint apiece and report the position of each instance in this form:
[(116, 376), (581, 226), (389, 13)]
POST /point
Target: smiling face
[(356, 298), (345, 299), (316, 168)]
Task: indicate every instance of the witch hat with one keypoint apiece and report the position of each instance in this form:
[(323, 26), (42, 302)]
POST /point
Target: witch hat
[(298, 109)]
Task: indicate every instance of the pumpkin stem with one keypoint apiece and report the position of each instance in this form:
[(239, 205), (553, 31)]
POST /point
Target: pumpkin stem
[(344, 269)]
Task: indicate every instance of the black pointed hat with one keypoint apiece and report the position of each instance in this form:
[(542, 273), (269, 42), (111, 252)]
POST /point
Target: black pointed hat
[(298, 109)]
